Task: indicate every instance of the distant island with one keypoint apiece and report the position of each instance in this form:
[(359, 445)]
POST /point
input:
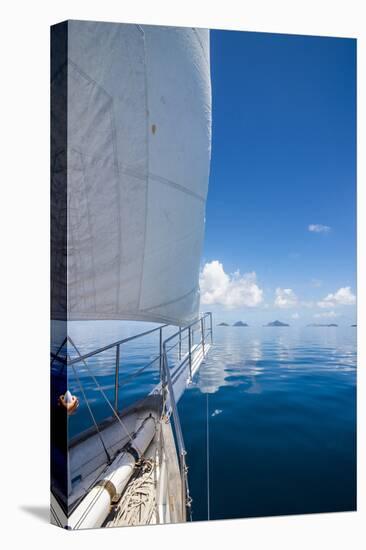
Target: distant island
[(353, 325), (277, 324), (223, 325), (240, 324), (322, 325)]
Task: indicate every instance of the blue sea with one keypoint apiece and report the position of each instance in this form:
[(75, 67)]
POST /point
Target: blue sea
[(281, 406)]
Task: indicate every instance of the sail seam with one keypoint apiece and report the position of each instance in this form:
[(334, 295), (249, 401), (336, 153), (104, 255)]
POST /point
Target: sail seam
[(177, 186), (119, 222), (170, 302), (88, 77), (130, 172), (144, 177), (89, 223), (154, 177)]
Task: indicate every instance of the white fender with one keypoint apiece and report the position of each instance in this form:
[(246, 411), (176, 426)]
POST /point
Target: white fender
[(94, 508)]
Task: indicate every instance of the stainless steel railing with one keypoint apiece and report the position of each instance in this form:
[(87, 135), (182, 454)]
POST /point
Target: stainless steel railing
[(205, 327), (185, 342), (185, 339), (81, 358)]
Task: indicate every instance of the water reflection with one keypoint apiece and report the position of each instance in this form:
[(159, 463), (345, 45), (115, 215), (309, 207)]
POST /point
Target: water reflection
[(252, 360), (287, 426), (240, 356)]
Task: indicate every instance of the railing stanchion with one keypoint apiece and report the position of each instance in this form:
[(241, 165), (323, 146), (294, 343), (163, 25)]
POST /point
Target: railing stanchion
[(116, 382), (203, 336)]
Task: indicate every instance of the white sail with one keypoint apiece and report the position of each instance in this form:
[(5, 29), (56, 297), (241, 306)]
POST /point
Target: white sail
[(138, 155)]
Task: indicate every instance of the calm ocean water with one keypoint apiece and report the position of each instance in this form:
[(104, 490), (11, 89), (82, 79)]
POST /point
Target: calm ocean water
[(282, 415), (282, 424)]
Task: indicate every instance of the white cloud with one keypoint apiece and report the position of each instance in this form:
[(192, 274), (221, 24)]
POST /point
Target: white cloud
[(318, 228), (229, 290), (343, 297), (295, 316), (285, 297), (326, 314)]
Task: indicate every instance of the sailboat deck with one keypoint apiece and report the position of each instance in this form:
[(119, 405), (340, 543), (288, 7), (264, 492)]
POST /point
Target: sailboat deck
[(153, 494), (157, 489), (86, 453)]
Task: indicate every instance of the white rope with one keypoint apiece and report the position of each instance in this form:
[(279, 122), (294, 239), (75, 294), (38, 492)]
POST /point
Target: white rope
[(138, 502)]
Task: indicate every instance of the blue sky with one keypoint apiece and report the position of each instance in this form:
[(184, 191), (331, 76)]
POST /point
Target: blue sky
[(283, 159)]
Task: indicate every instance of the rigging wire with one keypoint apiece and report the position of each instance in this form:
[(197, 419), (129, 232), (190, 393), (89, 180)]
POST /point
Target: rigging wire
[(91, 414), (124, 427)]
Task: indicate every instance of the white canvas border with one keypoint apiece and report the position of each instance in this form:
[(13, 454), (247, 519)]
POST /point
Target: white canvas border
[(25, 282)]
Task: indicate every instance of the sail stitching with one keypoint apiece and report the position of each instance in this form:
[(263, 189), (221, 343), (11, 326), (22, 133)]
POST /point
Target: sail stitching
[(170, 302), (176, 186), (119, 222), (145, 177)]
